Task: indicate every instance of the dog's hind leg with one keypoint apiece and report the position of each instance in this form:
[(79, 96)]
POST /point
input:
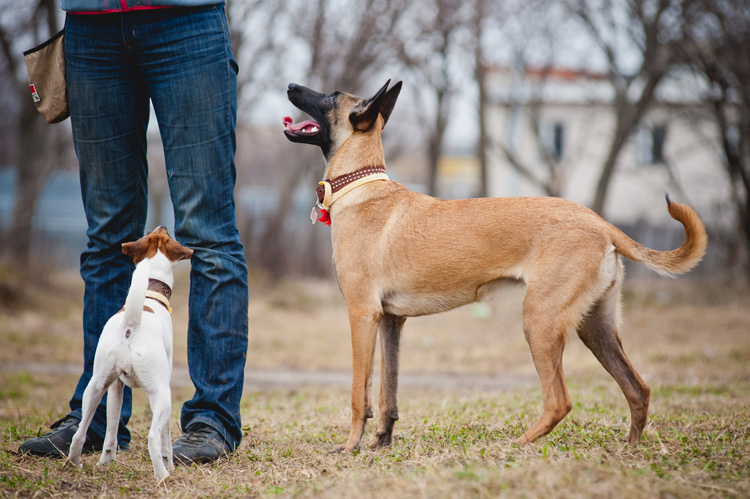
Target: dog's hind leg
[(114, 406), (390, 339), (160, 400), (599, 332), (166, 437), (91, 398), (553, 306), (547, 340), (364, 331), (368, 394), (560, 293)]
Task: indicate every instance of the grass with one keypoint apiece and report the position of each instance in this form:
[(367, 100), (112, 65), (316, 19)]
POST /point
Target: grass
[(448, 443)]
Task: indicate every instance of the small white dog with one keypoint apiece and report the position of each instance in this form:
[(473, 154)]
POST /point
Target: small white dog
[(135, 349)]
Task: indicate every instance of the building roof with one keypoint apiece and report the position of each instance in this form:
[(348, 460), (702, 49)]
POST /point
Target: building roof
[(570, 86)]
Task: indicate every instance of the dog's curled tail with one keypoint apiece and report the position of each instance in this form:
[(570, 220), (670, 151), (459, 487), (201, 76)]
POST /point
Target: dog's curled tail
[(677, 261), (137, 294)]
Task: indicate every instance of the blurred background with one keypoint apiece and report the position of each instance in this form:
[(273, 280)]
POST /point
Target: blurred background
[(609, 103)]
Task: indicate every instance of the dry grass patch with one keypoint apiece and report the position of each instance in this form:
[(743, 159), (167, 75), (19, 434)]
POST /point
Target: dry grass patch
[(448, 443)]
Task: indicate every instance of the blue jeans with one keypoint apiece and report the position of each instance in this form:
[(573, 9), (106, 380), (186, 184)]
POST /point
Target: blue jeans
[(180, 60)]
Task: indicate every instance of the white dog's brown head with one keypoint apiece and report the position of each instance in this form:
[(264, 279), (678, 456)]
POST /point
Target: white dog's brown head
[(158, 240)]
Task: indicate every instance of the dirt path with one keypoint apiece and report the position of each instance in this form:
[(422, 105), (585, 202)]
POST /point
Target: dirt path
[(269, 379)]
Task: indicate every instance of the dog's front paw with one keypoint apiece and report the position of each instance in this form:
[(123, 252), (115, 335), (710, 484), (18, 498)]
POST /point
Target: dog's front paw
[(380, 441), (75, 461), (108, 456), (338, 449), (160, 477), (523, 440)]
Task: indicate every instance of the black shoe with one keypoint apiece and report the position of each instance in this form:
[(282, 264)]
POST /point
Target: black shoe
[(199, 444), (57, 442)]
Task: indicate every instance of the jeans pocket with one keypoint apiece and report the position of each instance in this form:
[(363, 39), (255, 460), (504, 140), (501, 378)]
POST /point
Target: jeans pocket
[(221, 13)]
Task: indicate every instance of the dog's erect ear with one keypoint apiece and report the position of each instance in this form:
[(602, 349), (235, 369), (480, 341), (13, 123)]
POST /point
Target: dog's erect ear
[(137, 249), (364, 116), (389, 101), (177, 252)]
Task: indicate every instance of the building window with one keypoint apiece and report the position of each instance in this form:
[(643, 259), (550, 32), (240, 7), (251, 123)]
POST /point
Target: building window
[(650, 140), (557, 140), (658, 136), (552, 138)]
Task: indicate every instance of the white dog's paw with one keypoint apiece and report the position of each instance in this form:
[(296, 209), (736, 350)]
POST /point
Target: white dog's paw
[(107, 457), (160, 477)]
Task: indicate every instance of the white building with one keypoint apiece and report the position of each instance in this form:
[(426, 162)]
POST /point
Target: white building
[(672, 151)]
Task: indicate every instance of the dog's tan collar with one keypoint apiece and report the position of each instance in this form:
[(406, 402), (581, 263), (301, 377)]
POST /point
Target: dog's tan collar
[(329, 191), (160, 292), (160, 287)]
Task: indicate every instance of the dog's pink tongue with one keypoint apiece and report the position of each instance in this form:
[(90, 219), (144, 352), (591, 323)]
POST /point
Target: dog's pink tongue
[(290, 125)]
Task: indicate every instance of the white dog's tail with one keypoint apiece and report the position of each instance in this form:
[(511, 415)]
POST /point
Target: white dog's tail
[(137, 294)]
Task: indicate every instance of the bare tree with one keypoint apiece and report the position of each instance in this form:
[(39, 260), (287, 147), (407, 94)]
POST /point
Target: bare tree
[(479, 21), (647, 29), (347, 55), (534, 43), (717, 46), (551, 180), (429, 49), (316, 48), (37, 144), (258, 39)]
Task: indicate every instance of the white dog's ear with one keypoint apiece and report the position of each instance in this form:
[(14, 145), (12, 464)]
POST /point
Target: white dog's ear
[(177, 252), (138, 250)]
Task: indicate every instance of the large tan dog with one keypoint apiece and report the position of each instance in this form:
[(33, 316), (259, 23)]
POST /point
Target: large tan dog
[(400, 254)]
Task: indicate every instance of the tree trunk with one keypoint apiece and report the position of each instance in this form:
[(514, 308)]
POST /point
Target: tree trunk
[(482, 99), (433, 158), (628, 117), (34, 161), (33, 170), (435, 145), (608, 169), (272, 253)]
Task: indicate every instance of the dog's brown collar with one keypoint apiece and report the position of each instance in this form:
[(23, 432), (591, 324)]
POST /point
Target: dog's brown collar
[(328, 187), (160, 287), (160, 292)]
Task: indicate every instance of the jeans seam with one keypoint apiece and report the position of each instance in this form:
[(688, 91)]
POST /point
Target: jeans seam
[(224, 27), (228, 54)]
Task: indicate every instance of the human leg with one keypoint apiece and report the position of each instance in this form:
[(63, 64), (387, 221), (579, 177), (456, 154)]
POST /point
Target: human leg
[(186, 58), (109, 114)]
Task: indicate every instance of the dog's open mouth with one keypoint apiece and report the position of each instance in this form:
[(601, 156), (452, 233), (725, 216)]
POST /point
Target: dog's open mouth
[(306, 128)]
